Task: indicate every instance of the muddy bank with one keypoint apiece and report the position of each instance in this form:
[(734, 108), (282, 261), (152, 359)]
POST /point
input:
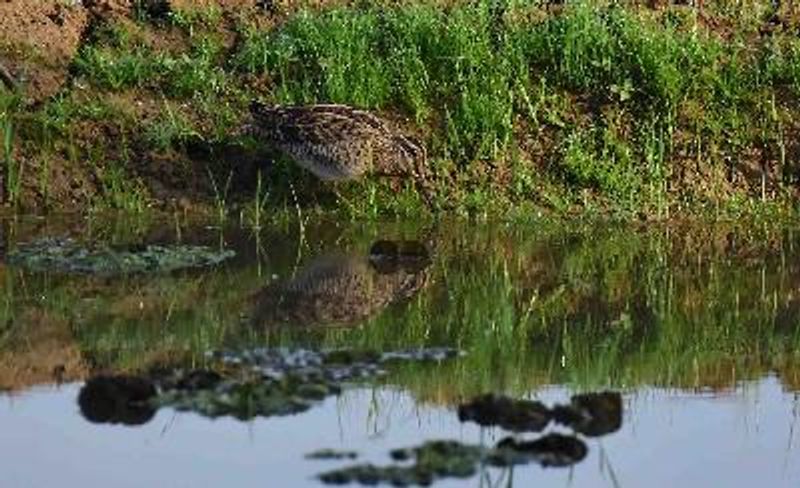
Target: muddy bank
[(40, 40), (654, 111)]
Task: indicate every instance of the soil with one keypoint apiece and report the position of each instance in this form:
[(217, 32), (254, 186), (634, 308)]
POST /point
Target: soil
[(39, 40), (47, 353)]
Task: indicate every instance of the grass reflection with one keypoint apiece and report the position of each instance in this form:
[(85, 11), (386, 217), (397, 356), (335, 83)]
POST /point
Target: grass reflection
[(591, 306)]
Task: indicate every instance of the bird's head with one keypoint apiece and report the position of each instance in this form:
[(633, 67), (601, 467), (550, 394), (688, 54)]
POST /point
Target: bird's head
[(258, 115), (414, 157)]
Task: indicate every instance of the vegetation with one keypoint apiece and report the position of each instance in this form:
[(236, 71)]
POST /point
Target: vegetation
[(675, 307), (596, 106)]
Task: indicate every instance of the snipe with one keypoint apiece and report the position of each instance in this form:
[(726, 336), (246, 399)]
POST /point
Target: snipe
[(339, 143), (345, 289)]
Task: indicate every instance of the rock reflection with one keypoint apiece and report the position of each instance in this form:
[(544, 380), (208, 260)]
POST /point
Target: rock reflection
[(591, 415), (514, 415), (557, 450), (244, 384), (117, 400), (341, 290)]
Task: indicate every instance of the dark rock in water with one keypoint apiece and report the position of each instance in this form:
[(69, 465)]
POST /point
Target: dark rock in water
[(448, 458), (591, 414), (550, 450), (513, 415), (440, 459), (117, 400), (451, 459), (331, 454)]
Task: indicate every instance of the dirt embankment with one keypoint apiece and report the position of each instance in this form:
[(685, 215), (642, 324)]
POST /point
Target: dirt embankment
[(60, 159), (39, 40), (133, 104), (43, 352)]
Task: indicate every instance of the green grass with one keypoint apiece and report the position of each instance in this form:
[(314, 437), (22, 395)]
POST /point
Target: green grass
[(192, 19), (12, 168), (194, 73), (472, 74), (597, 106), (171, 129), (417, 59), (590, 307)]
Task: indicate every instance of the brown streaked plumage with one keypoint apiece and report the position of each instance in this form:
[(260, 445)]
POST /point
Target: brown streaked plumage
[(338, 142), (7, 79), (344, 289)]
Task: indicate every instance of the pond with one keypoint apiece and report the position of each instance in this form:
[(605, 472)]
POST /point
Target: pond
[(313, 353)]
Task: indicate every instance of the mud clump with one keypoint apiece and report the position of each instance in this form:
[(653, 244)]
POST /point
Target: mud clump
[(554, 449), (38, 41), (118, 400), (249, 399), (591, 414), (513, 415)]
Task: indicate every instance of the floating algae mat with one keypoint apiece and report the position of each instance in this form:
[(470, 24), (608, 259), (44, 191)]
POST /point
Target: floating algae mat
[(262, 382), (591, 414), (69, 256), (441, 459)]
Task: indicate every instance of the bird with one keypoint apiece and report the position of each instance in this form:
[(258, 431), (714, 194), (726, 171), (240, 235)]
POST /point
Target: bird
[(341, 143), (344, 289)]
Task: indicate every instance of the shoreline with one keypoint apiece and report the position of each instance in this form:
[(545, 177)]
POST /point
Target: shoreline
[(629, 112)]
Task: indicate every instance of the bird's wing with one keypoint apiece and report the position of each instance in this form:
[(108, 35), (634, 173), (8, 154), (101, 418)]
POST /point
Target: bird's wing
[(358, 117), (318, 124)]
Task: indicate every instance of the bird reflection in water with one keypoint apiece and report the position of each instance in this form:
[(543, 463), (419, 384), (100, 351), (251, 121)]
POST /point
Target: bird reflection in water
[(345, 289)]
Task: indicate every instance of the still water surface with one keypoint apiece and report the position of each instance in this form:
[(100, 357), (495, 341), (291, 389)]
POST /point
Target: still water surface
[(696, 326)]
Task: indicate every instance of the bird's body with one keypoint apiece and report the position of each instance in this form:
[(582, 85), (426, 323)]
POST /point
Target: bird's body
[(341, 290), (338, 142)]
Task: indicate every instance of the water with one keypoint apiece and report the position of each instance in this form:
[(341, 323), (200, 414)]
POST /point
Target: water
[(696, 326)]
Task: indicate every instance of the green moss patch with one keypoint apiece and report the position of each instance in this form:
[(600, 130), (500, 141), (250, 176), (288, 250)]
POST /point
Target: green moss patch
[(68, 256)]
